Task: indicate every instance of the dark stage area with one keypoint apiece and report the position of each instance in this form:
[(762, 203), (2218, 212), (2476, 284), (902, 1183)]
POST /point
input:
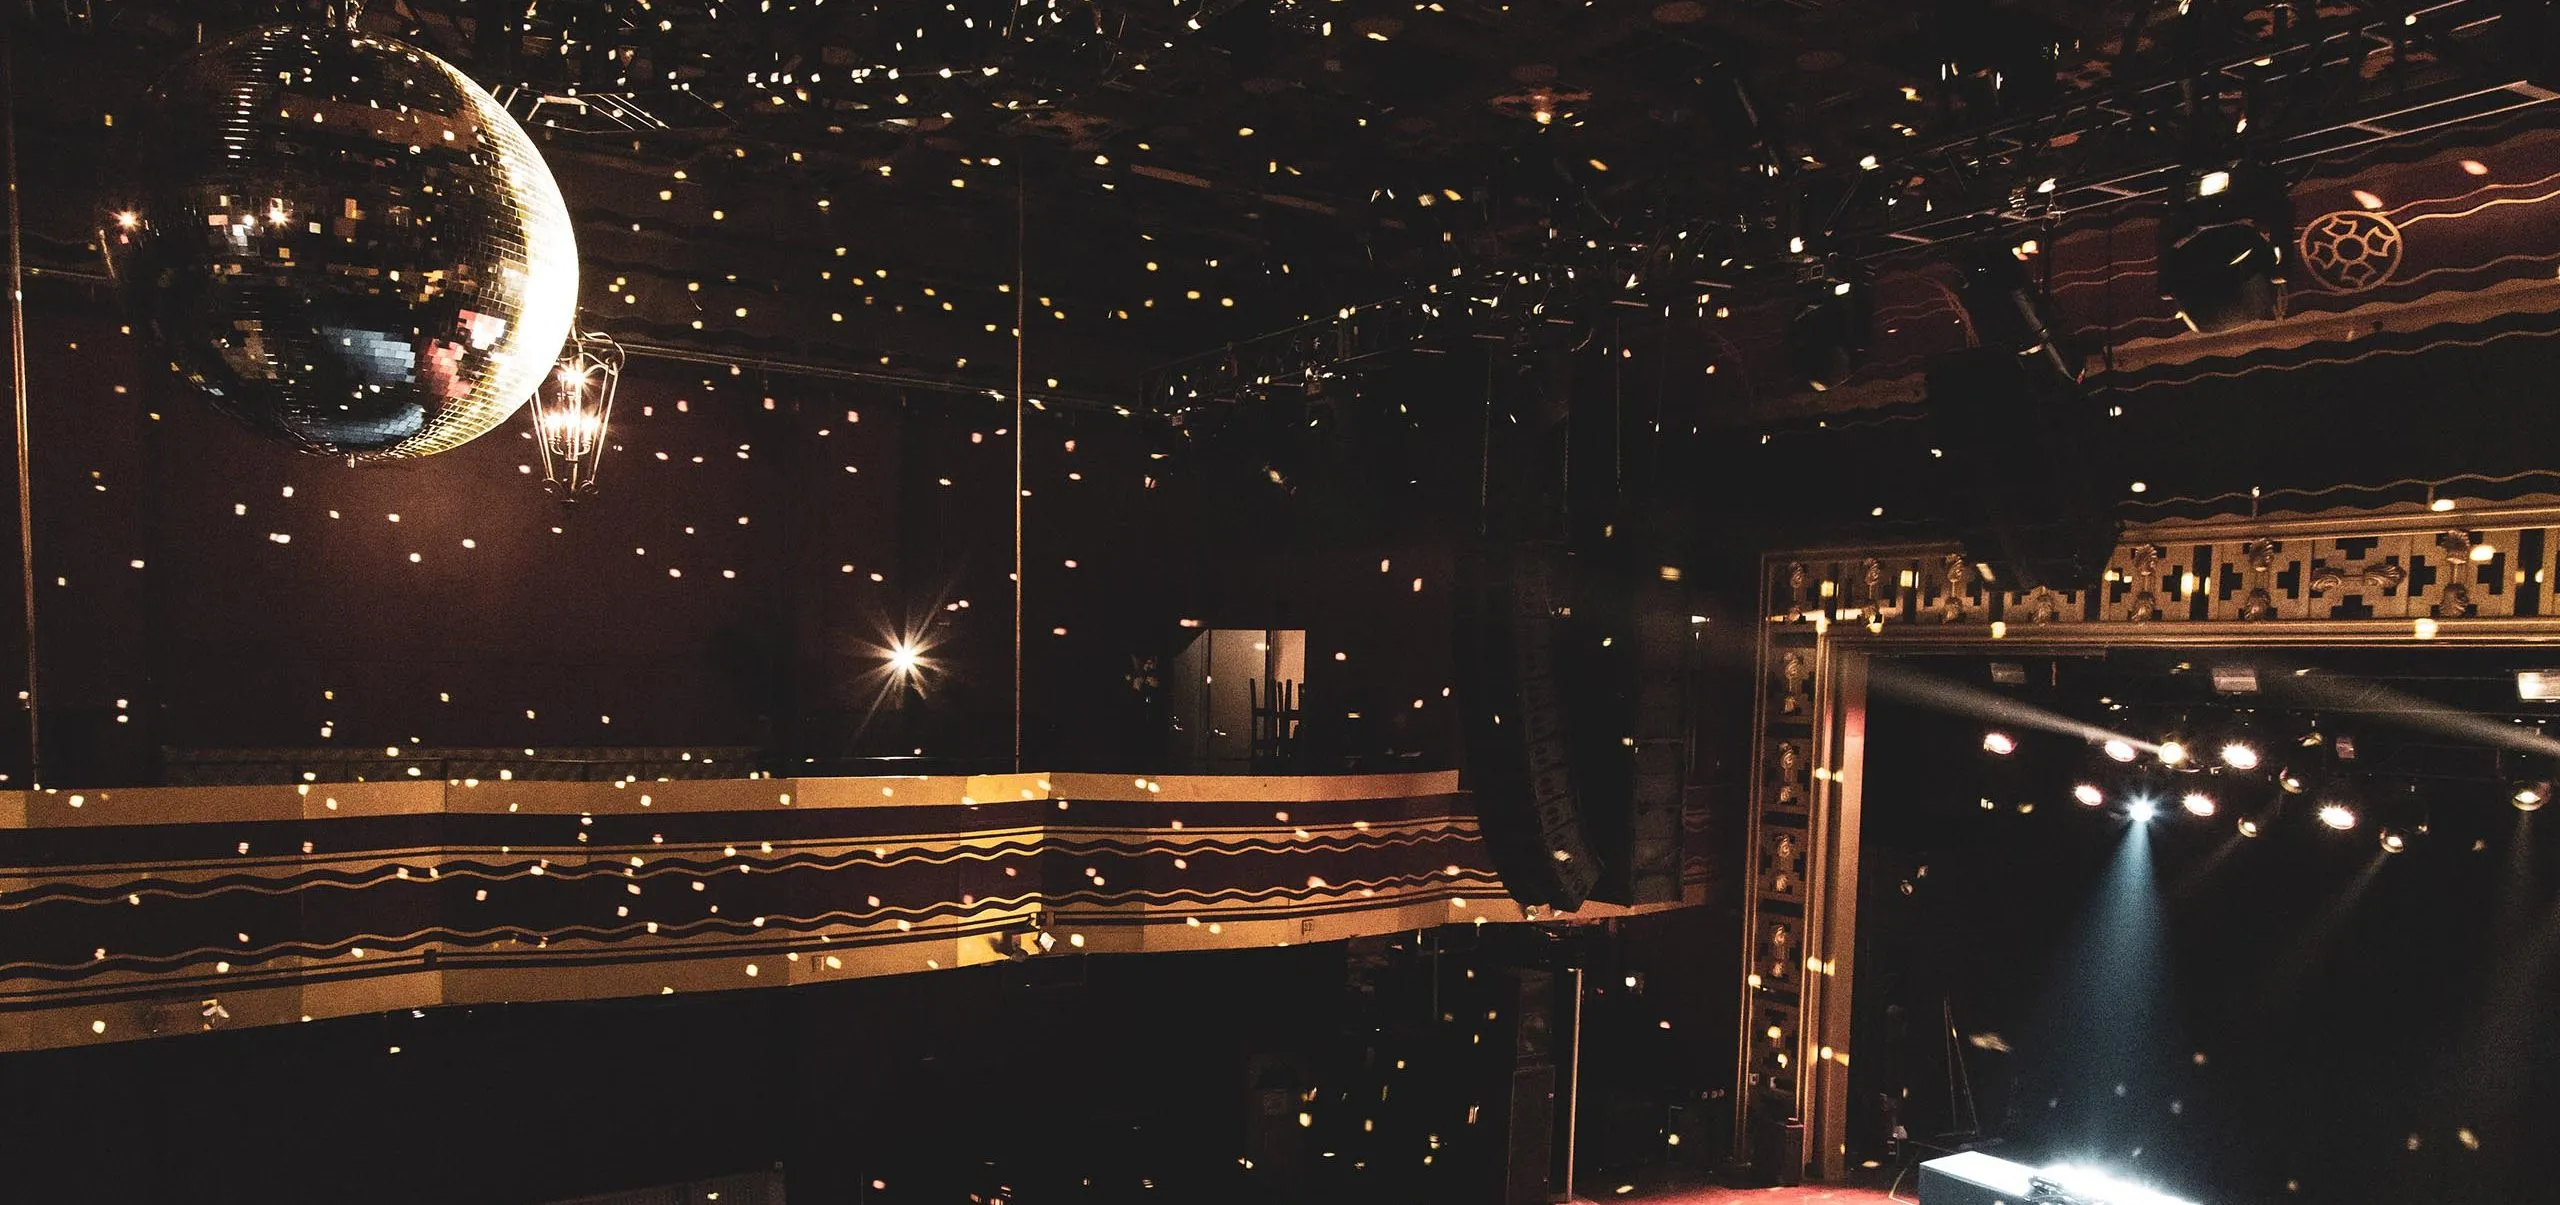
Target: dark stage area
[(2295, 1015)]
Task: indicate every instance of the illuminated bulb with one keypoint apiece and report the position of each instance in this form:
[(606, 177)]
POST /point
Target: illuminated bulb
[(2197, 803), (2530, 796), (2213, 184), (904, 658), (2248, 826), (2338, 816), (1999, 744), (2089, 795), (2240, 755), (2119, 749), (2143, 810), (2393, 841), (2173, 753)]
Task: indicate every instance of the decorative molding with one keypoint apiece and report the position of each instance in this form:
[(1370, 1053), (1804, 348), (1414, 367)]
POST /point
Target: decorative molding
[(2452, 572), (135, 912)]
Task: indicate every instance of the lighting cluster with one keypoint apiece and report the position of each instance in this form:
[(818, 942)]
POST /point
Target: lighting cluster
[(2258, 772)]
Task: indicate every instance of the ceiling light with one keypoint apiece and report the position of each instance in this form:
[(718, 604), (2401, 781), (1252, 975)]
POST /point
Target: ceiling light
[(2538, 685), (2249, 826)]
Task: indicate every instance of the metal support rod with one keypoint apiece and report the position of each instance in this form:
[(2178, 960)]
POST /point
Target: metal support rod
[(1021, 437), (1573, 1088), (18, 398)]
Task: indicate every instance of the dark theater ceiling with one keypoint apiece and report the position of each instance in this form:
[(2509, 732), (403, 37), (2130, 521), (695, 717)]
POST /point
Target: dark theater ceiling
[(749, 176)]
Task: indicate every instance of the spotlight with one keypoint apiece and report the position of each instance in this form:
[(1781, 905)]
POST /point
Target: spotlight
[(2142, 811), (2119, 749), (2530, 796), (2173, 752), (2221, 249), (2338, 816), (2249, 826), (2290, 781), (904, 658), (2393, 841), (2240, 755), (1999, 744), (1829, 334), (2197, 803), (2089, 795), (2009, 312)]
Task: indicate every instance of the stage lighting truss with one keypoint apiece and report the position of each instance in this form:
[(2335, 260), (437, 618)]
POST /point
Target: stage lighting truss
[(571, 412)]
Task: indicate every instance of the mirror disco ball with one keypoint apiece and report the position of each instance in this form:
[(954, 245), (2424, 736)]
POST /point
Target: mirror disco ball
[(344, 243)]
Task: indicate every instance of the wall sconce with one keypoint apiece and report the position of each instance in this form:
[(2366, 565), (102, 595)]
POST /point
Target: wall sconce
[(571, 411)]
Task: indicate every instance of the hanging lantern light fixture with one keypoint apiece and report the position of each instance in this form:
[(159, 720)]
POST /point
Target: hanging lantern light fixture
[(571, 411)]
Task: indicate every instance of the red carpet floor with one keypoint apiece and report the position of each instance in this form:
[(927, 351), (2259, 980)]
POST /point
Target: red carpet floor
[(1809, 1195)]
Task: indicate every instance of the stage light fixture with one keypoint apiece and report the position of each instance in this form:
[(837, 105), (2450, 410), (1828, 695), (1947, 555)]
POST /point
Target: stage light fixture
[(2197, 803), (2010, 311), (2290, 781), (2338, 816), (2393, 841), (2142, 811), (2119, 749), (2240, 755), (2538, 685), (1998, 743), (1828, 336), (2530, 796), (2173, 752), (2221, 258), (2089, 794), (2250, 827)]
